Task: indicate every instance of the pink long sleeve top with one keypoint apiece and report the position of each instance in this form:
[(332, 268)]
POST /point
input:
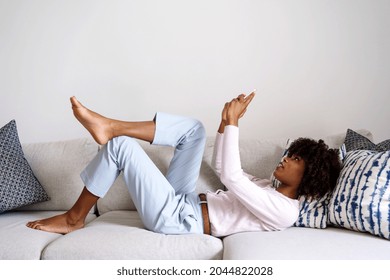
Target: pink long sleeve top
[(250, 203)]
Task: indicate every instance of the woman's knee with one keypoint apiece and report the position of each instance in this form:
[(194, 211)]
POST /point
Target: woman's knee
[(199, 129), (122, 144), (123, 140)]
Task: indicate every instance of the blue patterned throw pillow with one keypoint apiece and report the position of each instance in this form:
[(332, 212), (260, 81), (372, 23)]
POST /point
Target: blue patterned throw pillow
[(18, 185), (313, 213), (361, 200), (355, 141)]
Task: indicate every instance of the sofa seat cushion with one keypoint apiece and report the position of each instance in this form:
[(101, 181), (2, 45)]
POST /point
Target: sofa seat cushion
[(22, 243), (120, 235), (306, 244)]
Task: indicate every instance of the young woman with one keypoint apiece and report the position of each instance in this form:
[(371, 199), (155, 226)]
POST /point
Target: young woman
[(168, 203)]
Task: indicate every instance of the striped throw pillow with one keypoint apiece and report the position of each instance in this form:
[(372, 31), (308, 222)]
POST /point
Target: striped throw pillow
[(313, 213), (361, 200)]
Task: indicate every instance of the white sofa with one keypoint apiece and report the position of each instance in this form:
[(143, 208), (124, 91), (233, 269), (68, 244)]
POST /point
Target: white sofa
[(114, 230)]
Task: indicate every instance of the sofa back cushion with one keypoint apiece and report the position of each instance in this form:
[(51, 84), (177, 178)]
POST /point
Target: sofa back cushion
[(57, 166), (258, 158), (118, 197)]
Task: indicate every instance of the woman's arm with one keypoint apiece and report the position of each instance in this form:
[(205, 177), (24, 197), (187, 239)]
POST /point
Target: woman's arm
[(272, 208), (228, 155), (216, 160), (234, 112), (231, 112), (269, 207)]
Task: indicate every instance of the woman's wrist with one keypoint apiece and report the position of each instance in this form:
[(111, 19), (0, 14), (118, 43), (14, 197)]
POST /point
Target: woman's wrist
[(221, 128), (232, 121)]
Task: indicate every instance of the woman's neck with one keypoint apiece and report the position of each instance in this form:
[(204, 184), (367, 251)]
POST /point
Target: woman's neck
[(289, 191)]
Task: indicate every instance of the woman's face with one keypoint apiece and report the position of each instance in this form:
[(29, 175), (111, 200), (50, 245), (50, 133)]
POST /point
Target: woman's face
[(290, 170)]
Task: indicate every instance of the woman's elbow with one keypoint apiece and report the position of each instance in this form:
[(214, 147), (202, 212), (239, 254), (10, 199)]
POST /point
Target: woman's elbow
[(227, 179)]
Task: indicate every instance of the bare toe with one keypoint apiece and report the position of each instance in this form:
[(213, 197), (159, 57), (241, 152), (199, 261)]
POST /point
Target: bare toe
[(31, 224)]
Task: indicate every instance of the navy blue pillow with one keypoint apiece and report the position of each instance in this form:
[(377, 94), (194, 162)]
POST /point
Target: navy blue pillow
[(18, 185), (354, 141)]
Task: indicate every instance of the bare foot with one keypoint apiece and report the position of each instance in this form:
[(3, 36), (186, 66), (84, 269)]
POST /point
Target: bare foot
[(98, 125), (58, 224)]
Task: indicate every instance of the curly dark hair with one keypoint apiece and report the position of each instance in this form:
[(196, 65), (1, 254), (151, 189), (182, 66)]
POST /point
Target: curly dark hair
[(322, 167)]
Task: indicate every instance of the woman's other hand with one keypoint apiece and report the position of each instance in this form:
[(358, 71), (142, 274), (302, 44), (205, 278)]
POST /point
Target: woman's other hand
[(236, 109)]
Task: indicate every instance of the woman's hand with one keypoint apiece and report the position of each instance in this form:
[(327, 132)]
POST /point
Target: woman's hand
[(235, 109)]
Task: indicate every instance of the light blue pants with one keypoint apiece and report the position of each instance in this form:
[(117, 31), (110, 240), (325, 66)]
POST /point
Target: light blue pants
[(166, 204)]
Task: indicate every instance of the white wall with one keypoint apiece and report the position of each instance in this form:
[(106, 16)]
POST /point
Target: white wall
[(320, 67)]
